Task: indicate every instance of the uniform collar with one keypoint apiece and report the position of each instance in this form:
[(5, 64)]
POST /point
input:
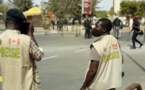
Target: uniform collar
[(99, 38), (13, 30)]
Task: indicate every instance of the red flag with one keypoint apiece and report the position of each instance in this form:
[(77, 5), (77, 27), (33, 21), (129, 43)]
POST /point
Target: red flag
[(14, 41)]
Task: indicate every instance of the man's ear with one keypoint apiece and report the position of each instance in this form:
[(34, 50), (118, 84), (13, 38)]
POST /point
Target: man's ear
[(104, 30)]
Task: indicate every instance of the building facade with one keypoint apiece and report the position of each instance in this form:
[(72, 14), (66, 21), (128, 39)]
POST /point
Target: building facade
[(116, 5)]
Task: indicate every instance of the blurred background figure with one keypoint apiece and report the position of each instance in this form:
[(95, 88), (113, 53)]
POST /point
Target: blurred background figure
[(65, 22), (135, 29), (73, 24), (60, 25), (117, 26), (53, 24), (88, 27), (130, 23)]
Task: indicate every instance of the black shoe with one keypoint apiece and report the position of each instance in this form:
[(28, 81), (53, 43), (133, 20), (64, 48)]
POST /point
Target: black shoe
[(132, 47), (140, 45)]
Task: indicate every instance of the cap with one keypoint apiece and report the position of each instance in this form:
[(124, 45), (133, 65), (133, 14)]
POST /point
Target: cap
[(15, 15)]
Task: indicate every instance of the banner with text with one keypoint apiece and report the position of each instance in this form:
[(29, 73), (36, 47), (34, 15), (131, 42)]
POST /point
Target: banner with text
[(86, 6)]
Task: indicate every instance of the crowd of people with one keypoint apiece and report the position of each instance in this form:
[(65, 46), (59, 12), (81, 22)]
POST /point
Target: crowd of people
[(19, 50)]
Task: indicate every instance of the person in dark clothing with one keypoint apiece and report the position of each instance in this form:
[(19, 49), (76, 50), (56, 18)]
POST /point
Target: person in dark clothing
[(117, 25), (53, 24), (135, 29), (60, 25), (73, 24), (65, 24), (88, 27)]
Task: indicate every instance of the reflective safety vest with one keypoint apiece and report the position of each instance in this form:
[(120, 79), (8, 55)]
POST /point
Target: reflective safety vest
[(109, 73), (19, 71)]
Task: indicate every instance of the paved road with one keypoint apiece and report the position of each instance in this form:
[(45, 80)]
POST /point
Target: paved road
[(66, 58)]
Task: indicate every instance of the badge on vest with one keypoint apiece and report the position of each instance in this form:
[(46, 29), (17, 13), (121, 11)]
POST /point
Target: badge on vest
[(14, 41)]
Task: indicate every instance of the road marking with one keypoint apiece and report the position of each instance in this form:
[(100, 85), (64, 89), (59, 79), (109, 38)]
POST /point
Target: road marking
[(0, 78), (80, 50), (50, 57)]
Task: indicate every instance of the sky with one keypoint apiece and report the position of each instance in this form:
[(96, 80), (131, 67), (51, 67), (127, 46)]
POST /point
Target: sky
[(38, 2), (34, 1), (105, 4)]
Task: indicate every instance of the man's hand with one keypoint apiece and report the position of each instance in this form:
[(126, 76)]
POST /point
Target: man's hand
[(83, 89), (31, 29), (30, 33), (130, 32)]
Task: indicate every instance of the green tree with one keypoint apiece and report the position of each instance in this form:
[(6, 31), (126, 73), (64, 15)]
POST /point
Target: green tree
[(142, 8), (23, 5), (1, 1), (102, 14), (111, 11), (133, 8), (63, 8), (3, 9)]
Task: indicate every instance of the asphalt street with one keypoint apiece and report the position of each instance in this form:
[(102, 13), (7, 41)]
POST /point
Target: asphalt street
[(66, 59)]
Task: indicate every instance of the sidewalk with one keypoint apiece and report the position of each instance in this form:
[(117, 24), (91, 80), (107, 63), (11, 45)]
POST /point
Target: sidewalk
[(134, 60)]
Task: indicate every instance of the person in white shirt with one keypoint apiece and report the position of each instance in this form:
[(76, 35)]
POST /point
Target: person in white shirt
[(105, 66), (130, 24), (19, 52)]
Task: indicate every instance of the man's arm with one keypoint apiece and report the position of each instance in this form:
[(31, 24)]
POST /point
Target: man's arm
[(35, 51), (90, 74), (121, 24), (130, 31), (133, 86), (30, 33), (136, 27)]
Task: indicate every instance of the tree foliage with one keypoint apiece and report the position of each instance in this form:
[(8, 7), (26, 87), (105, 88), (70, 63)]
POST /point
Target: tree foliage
[(111, 11), (3, 7), (23, 5), (72, 8), (1, 1), (102, 14), (133, 8)]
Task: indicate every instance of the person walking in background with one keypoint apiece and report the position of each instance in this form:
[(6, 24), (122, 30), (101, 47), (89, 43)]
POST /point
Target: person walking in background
[(130, 23), (73, 24), (65, 24), (135, 29), (130, 26), (117, 26), (53, 24), (60, 25), (105, 66), (18, 52), (88, 27)]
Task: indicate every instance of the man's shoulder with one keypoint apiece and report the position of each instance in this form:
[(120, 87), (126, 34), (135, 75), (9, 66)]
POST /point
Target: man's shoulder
[(25, 36)]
